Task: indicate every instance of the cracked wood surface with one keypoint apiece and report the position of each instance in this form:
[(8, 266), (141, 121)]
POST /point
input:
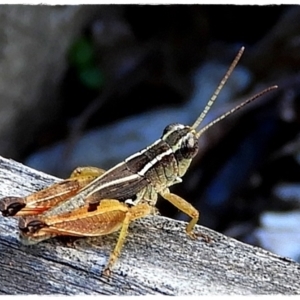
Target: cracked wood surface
[(158, 258)]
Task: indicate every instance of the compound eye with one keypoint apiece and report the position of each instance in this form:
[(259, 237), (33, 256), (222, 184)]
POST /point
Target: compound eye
[(172, 127), (189, 146)]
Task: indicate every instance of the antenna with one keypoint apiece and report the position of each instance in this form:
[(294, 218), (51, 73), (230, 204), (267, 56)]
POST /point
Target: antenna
[(235, 109), (218, 89)]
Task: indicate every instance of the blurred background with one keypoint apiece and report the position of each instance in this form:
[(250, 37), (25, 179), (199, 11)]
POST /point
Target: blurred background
[(91, 85)]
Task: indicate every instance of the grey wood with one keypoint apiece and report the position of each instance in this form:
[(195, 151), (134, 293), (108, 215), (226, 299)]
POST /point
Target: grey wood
[(158, 258)]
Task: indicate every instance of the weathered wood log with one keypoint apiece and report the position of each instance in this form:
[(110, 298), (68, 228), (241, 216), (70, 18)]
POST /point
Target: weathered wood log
[(158, 258)]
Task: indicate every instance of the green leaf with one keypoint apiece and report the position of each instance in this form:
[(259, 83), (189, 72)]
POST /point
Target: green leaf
[(92, 77), (82, 53)]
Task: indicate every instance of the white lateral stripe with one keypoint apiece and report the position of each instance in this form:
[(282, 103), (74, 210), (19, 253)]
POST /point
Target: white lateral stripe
[(95, 182), (142, 151), (113, 182), (154, 161), (99, 179)]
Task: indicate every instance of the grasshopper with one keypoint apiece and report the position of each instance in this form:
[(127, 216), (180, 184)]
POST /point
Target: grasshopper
[(100, 202)]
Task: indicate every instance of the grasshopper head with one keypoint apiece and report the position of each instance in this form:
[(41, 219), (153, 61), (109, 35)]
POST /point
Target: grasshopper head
[(183, 141)]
